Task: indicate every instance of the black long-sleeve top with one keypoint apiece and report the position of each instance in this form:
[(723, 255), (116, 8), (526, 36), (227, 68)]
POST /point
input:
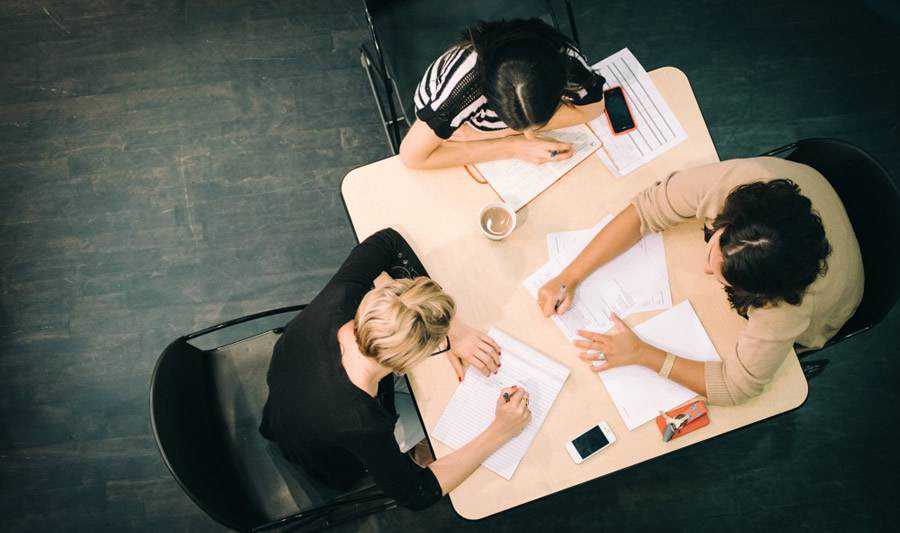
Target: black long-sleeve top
[(318, 417)]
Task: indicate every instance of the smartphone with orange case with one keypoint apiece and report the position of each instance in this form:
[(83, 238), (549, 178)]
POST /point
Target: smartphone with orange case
[(618, 111)]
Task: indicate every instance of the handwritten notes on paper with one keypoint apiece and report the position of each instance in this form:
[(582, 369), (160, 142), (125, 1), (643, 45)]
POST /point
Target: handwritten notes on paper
[(635, 281), (518, 182), (471, 408), (657, 129)]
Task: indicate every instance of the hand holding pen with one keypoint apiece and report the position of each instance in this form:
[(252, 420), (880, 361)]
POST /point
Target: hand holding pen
[(512, 413), (555, 297)]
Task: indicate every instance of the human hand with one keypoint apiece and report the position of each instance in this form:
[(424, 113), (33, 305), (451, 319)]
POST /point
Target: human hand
[(383, 279), (512, 415), (475, 348), (621, 347), (540, 150), (549, 293)]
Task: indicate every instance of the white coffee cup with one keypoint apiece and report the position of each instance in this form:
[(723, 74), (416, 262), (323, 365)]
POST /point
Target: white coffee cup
[(497, 221)]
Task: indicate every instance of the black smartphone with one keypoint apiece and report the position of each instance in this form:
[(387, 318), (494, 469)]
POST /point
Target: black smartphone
[(618, 113)]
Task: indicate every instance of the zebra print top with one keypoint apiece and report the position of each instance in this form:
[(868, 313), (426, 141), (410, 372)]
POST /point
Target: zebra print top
[(450, 92)]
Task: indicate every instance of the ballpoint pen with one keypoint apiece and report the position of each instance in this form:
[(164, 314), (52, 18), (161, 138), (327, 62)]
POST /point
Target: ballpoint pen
[(560, 297), (506, 395)]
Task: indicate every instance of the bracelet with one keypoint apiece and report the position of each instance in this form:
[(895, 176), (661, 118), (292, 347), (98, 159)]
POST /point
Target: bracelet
[(667, 366)]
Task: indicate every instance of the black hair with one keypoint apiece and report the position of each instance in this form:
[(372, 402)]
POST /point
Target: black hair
[(773, 244), (524, 67)]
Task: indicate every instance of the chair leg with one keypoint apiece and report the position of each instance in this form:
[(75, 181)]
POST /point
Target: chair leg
[(572, 22), (364, 502), (333, 519), (779, 151), (389, 123), (812, 369)]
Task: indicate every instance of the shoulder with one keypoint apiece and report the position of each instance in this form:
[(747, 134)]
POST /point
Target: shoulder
[(813, 185), (576, 56), (449, 69), (753, 169), (448, 90), (330, 309), (363, 419), (781, 322)]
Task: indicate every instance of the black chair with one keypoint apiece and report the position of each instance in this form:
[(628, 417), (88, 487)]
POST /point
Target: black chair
[(407, 35), (205, 409), (872, 202)]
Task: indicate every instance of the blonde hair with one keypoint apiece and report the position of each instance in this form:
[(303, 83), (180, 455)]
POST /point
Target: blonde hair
[(403, 322)]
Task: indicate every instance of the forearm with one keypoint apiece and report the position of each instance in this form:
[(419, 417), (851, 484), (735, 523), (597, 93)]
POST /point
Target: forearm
[(457, 153), (570, 115), (618, 236), (691, 374), (453, 469)]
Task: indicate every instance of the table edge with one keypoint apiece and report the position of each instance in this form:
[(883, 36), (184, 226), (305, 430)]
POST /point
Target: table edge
[(476, 518)]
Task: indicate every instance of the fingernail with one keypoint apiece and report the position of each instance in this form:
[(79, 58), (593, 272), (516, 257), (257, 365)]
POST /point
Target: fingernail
[(459, 378)]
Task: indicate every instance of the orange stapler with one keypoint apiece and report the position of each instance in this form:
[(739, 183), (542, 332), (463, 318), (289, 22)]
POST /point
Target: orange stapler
[(682, 420)]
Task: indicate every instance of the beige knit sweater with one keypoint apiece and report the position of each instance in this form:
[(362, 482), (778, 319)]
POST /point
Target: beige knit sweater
[(770, 332)]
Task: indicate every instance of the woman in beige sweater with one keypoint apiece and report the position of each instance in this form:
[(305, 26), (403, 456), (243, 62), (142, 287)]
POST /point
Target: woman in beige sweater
[(779, 242)]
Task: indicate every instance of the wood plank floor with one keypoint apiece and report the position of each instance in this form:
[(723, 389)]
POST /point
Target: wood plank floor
[(168, 164)]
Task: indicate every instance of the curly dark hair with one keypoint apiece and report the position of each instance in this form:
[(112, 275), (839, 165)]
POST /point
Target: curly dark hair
[(773, 243), (524, 68)]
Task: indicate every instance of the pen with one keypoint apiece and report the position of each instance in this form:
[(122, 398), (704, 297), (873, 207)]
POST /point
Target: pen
[(472, 175), (560, 297), (506, 395)]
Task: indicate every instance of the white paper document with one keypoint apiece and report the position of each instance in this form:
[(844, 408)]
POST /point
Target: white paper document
[(518, 182), (581, 314), (471, 409), (639, 393), (640, 272), (635, 281), (657, 130)]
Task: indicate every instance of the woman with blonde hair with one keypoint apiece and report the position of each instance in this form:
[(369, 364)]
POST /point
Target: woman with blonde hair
[(330, 405)]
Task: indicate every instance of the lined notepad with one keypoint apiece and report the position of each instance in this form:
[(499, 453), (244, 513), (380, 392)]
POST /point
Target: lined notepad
[(518, 182), (657, 129), (471, 409)]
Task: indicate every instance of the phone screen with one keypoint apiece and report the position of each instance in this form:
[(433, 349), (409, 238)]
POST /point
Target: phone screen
[(590, 441), (617, 109)]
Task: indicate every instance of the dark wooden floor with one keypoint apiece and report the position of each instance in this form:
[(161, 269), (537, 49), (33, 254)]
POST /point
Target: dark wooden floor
[(168, 164)]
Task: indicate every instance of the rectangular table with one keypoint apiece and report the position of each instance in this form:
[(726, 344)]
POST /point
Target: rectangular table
[(437, 211)]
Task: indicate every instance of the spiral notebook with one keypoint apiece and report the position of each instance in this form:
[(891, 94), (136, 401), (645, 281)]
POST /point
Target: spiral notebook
[(518, 182), (471, 409)]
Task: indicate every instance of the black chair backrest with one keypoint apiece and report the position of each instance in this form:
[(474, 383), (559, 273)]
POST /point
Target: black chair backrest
[(873, 206), (186, 426)]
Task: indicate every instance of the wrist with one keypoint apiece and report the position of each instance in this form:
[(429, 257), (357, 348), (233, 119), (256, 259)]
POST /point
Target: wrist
[(510, 146), (651, 357), (495, 433), (570, 278)]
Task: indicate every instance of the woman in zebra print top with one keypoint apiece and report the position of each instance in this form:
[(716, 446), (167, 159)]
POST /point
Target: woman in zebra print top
[(490, 95)]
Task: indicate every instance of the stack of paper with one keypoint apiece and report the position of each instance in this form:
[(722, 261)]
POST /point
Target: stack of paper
[(518, 182), (471, 409), (657, 130), (640, 393), (635, 281)]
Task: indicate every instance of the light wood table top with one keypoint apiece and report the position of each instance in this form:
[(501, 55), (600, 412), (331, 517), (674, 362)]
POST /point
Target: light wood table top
[(437, 212)]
